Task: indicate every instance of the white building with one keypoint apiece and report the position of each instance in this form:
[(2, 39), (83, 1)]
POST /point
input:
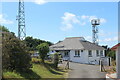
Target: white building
[(77, 49)]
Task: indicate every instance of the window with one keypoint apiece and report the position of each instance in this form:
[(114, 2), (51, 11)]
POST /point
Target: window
[(89, 53), (97, 53), (77, 53), (101, 53), (66, 54), (81, 50)]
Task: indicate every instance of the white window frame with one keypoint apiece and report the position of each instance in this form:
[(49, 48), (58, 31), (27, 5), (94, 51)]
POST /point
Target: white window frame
[(77, 53), (97, 53), (89, 51), (66, 52), (101, 52)]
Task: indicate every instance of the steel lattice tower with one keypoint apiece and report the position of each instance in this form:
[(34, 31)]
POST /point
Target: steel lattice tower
[(21, 20), (94, 23)]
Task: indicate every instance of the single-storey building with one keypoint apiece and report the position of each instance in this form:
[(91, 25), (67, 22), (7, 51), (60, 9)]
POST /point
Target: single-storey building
[(77, 49)]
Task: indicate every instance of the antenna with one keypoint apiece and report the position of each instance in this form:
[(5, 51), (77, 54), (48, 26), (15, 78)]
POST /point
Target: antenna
[(21, 21), (94, 23)]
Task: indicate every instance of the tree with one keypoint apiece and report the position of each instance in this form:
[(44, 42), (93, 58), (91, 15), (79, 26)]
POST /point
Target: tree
[(32, 43), (43, 50), (14, 53), (111, 53), (4, 29)]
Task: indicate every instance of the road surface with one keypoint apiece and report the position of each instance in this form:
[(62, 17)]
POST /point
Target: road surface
[(78, 70)]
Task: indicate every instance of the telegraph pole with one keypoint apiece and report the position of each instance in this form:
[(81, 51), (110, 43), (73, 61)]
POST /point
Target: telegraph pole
[(21, 21), (94, 23)]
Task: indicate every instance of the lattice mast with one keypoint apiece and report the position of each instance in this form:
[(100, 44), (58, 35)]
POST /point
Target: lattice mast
[(21, 20), (94, 23)]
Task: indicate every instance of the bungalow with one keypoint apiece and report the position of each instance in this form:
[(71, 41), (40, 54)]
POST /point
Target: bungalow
[(77, 49)]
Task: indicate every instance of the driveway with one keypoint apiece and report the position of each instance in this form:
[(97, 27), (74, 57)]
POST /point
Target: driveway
[(78, 70)]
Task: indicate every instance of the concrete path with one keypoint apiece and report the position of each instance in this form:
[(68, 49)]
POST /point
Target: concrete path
[(78, 70)]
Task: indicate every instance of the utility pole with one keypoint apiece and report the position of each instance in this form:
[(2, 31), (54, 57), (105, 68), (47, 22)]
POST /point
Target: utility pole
[(94, 23), (21, 21)]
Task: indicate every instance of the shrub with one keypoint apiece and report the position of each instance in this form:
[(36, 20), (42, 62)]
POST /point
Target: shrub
[(43, 50), (14, 53), (36, 60), (56, 60)]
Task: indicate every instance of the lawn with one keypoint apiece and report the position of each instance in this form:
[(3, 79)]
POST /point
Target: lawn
[(37, 71)]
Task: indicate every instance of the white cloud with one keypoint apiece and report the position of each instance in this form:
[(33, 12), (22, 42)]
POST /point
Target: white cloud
[(109, 39), (89, 18), (89, 38), (67, 27), (92, 17), (84, 17), (102, 33), (4, 21), (40, 2), (68, 20), (102, 20), (70, 17), (83, 23)]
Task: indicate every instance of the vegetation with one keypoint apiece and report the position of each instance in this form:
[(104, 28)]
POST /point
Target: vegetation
[(112, 68), (17, 63), (111, 53), (37, 71), (56, 60), (43, 50), (14, 53), (32, 43), (4, 29)]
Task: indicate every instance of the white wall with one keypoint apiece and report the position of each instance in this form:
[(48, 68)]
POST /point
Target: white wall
[(63, 53), (94, 57), (84, 57)]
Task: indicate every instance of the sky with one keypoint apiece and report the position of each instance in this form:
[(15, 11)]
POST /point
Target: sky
[(54, 21)]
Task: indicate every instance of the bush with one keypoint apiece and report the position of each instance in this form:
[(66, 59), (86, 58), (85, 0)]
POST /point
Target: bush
[(14, 53), (112, 54), (56, 60), (36, 60), (43, 50)]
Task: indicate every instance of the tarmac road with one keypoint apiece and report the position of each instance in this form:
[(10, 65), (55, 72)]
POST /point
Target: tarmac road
[(78, 70)]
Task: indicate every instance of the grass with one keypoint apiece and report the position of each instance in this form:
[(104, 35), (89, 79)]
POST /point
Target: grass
[(9, 74), (47, 72), (37, 71), (112, 68)]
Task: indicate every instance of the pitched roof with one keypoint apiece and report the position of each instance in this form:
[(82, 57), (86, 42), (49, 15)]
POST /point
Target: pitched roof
[(116, 46), (75, 43)]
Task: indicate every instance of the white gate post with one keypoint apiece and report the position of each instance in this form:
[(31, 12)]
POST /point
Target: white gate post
[(100, 65)]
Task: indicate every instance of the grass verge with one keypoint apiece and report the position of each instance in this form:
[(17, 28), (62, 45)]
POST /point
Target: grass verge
[(37, 71)]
